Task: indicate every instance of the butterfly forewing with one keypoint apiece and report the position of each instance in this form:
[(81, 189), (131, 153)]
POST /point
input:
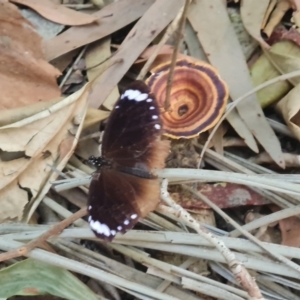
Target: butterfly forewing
[(133, 130)]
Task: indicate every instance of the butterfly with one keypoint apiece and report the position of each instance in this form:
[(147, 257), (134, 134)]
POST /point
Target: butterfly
[(123, 189)]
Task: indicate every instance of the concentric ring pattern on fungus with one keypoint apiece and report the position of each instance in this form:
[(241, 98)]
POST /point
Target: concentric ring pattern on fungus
[(198, 97)]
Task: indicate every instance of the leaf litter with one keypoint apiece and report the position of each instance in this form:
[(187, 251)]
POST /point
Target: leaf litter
[(248, 183)]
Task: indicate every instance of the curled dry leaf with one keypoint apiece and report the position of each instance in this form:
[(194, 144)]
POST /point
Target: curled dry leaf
[(252, 16), (25, 77), (28, 149), (290, 229), (289, 107), (276, 16), (57, 13)]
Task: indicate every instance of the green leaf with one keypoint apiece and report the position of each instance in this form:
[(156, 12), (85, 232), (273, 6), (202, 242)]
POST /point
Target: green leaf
[(32, 277)]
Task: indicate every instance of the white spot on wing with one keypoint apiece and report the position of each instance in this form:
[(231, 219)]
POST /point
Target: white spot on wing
[(149, 100), (134, 216), (90, 218), (131, 94), (154, 117), (141, 97), (126, 222), (100, 228), (106, 230), (113, 232), (120, 228), (151, 107), (90, 207), (157, 126), (117, 106)]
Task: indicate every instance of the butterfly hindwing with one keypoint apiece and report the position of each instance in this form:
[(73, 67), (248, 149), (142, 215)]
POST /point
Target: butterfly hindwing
[(117, 200)]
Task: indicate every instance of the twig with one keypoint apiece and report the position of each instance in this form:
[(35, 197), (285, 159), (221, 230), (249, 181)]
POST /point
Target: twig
[(170, 30), (232, 105), (263, 221), (54, 230), (240, 273), (174, 55), (252, 238), (82, 268), (72, 67)]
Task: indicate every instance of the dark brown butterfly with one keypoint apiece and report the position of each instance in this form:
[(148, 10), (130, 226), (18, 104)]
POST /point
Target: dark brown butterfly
[(124, 189)]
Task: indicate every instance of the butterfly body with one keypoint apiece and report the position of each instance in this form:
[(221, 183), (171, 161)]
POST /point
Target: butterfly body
[(124, 187)]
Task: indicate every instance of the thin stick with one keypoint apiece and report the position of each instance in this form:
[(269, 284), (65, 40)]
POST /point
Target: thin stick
[(232, 105), (239, 271), (174, 55), (54, 230), (252, 238), (73, 66), (170, 30)]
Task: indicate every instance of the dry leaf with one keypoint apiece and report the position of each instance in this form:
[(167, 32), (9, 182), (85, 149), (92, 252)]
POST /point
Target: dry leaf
[(290, 229), (243, 131), (281, 33), (263, 70), (28, 149), (25, 77), (291, 160), (284, 56), (289, 107), (111, 18), (225, 195), (141, 35), (282, 6), (94, 116), (96, 54), (57, 13), (252, 16), (163, 56), (224, 52)]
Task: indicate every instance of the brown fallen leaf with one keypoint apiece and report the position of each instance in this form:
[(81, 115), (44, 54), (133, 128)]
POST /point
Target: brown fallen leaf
[(57, 13), (276, 16), (96, 54), (141, 35), (267, 233), (225, 195), (291, 160), (289, 107), (252, 16), (164, 55), (224, 52), (28, 149), (94, 116), (25, 77), (281, 33), (290, 229), (111, 18)]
